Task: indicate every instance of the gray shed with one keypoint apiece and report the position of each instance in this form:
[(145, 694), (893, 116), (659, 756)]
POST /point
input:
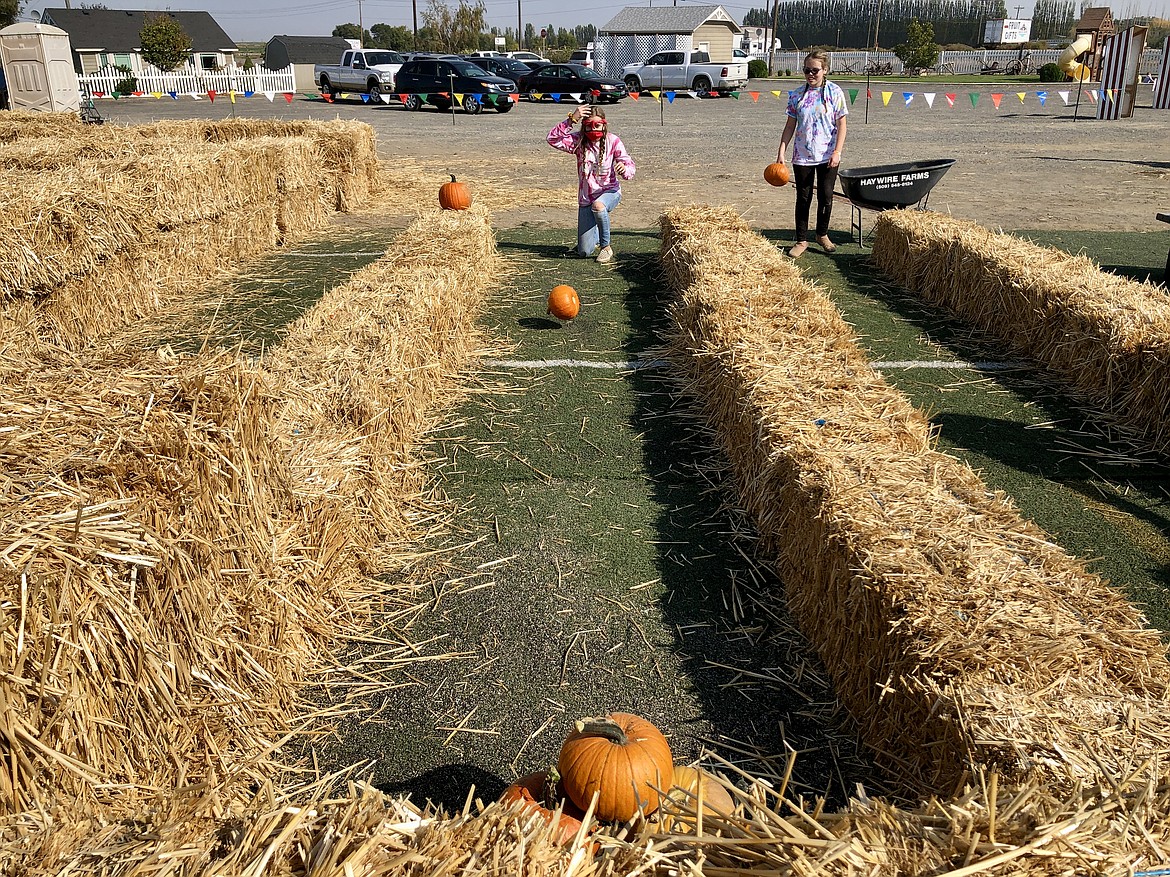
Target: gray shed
[(637, 32), (301, 53)]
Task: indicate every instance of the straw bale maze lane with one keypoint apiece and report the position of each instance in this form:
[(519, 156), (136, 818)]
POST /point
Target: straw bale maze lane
[(593, 566)]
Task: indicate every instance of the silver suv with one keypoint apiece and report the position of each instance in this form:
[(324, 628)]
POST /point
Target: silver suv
[(584, 57)]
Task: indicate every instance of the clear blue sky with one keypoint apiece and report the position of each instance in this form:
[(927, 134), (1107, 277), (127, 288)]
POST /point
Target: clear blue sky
[(260, 19)]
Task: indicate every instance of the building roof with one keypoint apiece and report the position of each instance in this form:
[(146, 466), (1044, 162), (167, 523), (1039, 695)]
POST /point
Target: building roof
[(666, 19), (311, 50), (1095, 16), (117, 30)]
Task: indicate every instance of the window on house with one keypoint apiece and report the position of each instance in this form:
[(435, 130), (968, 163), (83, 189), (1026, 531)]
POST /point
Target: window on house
[(209, 62), (123, 60)]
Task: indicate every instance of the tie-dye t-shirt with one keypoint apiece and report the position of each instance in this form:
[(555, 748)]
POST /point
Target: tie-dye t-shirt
[(816, 112)]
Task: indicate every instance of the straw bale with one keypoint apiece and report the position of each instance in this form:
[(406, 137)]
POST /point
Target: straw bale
[(957, 634), (1107, 337), (19, 124)]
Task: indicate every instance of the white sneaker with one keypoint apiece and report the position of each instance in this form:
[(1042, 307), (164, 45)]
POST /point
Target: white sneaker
[(605, 254)]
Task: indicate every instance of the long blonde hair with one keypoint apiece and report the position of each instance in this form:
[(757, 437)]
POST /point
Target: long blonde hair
[(822, 56)]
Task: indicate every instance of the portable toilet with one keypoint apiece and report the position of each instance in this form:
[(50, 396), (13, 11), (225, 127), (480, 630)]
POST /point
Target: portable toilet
[(38, 67)]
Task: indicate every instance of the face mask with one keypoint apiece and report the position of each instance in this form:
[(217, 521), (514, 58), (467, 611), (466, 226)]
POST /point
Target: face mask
[(594, 134)]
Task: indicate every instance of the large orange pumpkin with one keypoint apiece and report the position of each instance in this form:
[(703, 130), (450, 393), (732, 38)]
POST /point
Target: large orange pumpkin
[(776, 173), (691, 783), (621, 757), (541, 795), (454, 195), (563, 302)]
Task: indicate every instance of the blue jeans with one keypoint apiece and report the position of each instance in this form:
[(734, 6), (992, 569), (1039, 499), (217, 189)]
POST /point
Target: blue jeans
[(593, 224)]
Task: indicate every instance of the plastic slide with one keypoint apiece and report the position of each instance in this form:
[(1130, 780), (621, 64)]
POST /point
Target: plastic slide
[(1068, 58)]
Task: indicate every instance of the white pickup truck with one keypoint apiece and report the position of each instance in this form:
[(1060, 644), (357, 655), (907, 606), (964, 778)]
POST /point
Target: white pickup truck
[(685, 70), (367, 70)]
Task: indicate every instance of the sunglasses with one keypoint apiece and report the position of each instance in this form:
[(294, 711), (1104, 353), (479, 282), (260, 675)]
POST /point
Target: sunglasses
[(811, 71)]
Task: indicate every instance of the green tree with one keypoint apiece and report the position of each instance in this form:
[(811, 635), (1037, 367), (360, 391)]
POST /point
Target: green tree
[(458, 29), (920, 50), (9, 9), (387, 36), (164, 42), (530, 33), (348, 31)]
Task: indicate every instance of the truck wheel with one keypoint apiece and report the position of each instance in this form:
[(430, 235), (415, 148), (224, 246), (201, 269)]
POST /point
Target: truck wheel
[(413, 102), (374, 90), (633, 84), (702, 86), (327, 87), (471, 105)]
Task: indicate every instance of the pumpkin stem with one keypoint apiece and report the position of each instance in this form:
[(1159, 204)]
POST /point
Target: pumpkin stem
[(452, 176), (602, 726)]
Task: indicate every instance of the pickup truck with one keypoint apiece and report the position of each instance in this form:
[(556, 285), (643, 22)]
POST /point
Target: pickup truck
[(685, 70), (367, 70)]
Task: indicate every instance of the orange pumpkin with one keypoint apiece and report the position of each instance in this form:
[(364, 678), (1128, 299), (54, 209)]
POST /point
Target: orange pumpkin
[(621, 757), (542, 795), (776, 173), (683, 799), (563, 302), (454, 195)]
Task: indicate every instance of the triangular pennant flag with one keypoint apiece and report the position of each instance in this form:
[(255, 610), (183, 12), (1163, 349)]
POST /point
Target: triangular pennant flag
[(974, 98), (328, 98), (117, 95), (489, 99), (670, 97), (853, 92), (1042, 96), (1064, 97), (174, 95), (734, 94), (423, 97), (459, 98), (271, 95), (536, 96), (365, 97), (402, 98), (211, 94), (232, 95), (655, 94), (634, 95), (249, 94), (928, 96), (907, 96), (575, 95), (288, 97), (556, 96), (996, 97), (1112, 94), (777, 94), (136, 93), (1092, 95), (99, 94), (1021, 95), (196, 95), (886, 95), (443, 94), (869, 94), (950, 96), (157, 95), (755, 96)]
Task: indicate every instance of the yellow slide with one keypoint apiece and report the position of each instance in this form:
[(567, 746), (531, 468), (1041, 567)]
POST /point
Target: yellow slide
[(1068, 58)]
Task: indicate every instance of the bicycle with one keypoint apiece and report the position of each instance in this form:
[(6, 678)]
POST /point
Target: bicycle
[(876, 68), (1020, 66)]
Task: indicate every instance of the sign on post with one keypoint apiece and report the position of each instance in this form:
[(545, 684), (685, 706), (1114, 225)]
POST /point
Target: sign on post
[(1007, 30), (499, 41)]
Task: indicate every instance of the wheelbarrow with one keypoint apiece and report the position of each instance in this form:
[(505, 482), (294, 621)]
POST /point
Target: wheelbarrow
[(888, 187)]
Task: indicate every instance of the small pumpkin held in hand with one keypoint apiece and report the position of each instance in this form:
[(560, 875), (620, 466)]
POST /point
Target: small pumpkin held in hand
[(621, 757), (563, 302), (776, 173), (691, 783), (454, 195), (542, 794)]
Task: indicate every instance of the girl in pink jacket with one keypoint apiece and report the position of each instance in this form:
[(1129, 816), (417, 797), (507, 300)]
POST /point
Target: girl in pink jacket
[(601, 159)]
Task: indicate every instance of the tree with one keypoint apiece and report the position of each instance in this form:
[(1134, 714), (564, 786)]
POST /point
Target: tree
[(387, 36), (529, 35), (920, 50), (9, 9), (348, 31), (457, 30), (164, 42)]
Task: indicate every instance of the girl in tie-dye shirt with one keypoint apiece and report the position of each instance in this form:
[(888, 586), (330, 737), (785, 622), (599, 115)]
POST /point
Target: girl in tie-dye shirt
[(816, 128)]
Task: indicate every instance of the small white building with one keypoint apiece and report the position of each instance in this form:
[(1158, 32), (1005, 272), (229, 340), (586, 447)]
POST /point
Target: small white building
[(637, 32)]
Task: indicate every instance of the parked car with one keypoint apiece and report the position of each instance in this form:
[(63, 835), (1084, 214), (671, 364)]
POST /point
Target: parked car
[(440, 79), (584, 57), (692, 70), (572, 79), (368, 70), (509, 68), (530, 58)]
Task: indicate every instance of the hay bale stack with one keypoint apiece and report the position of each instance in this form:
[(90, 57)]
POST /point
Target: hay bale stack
[(956, 633), (175, 557), (374, 357), (20, 124), (1105, 336), (348, 153)]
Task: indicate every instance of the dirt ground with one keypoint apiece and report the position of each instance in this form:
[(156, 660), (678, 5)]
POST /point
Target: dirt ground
[(1019, 166)]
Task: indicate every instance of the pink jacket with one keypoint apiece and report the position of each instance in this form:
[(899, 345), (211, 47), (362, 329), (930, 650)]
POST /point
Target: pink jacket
[(593, 179)]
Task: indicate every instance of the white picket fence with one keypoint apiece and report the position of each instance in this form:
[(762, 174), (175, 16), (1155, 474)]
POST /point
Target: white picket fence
[(949, 62), (191, 81)]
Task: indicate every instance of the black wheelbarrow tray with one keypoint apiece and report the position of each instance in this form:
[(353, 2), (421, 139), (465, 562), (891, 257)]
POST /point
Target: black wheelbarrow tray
[(890, 186)]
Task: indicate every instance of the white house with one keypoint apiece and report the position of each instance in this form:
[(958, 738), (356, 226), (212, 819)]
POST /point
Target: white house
[(637, 32)]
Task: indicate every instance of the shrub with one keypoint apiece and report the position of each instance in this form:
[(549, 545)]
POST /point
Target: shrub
[(127, 84), (1051, 73), (757, 69), (787, 72)]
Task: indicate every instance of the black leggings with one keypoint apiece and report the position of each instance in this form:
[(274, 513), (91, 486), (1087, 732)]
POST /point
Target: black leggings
[(826, 179)]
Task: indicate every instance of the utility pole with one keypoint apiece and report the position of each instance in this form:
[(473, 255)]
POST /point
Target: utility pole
[(414, 8), (361, 28), (772, 44), (877, 23), (519, 25)]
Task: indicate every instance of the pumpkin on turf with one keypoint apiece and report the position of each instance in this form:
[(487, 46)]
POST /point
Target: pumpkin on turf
[(621, 757), (776, 173), (563, 302), (689, 784), (542, 795), (454, 195)]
